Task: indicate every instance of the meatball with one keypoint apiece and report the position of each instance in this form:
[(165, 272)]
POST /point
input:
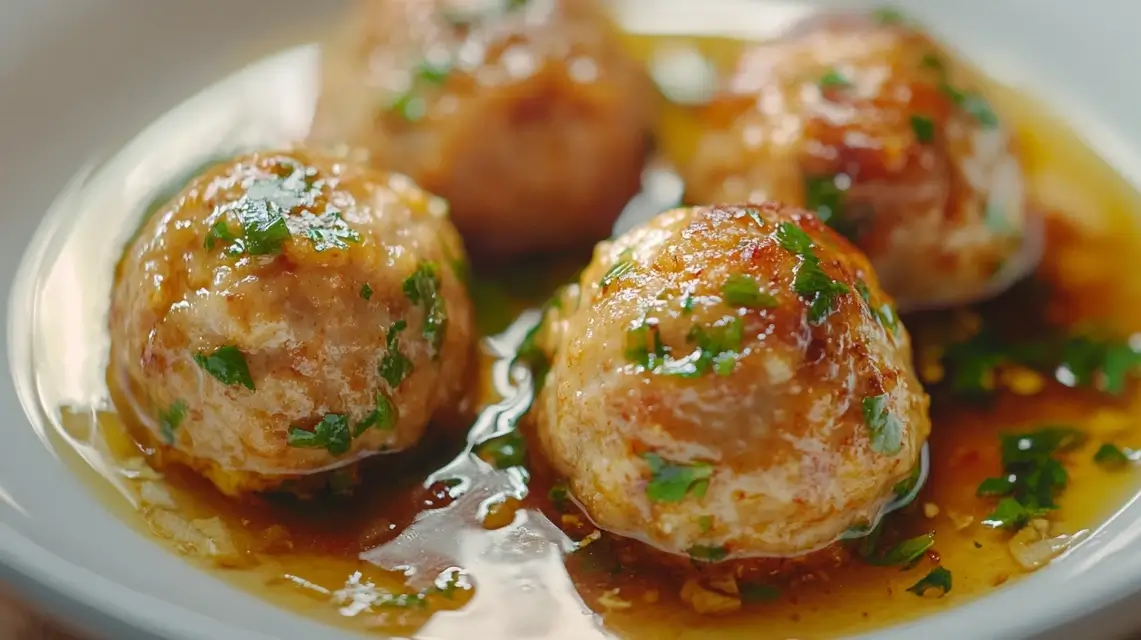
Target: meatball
[(872, 127), (529, 117), (730, 383), (286, 314)]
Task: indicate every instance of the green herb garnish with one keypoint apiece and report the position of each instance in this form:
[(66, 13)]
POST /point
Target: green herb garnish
[(932, 61), (923, 127), (906, 486), (620, 268), (833, 79), (532, 356), (227, 365), (905, 554), (395, 366), (366, 291), (811, 281), (938, 578), (331, 434), (505, 451), (1111, 456), (383, 417), (717, 348), (170, 420), (218, 231), (972, 104), (743, 291), (423, 288), (262, 212), (823, 197), (703, 553), (885, 428), (1032, 475), (644, 346), (672, 482), (326, 231)]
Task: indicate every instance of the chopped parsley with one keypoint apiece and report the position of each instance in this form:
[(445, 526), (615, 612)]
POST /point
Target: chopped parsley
[(717, 348), (743, 291), (434, 71), (825, 198), (558, 494), (1111, 456), (932, 61), (923, 127), (811, 282), (262, 212), (644, 346), (938, 578), (1032, 475), (703, 553), (672, 482), (423, 288), (331, 434), (888, 15), (531, 355), (756, 216), (383, 417), (905, 554), (687, 304), (906, 486), (885, 313), (505, 451), (366, 291), (758, 592), (395, 366), (227, 365), (885, 429), (833, 79), (620, 268), (218, 231), (326, 231), (170, 420), (705, 523), (971, 104), (410, 106)]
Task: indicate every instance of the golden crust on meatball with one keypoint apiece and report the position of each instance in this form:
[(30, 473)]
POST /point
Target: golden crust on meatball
[(288, 313), (730, 382), (532, 120), (874, 128)]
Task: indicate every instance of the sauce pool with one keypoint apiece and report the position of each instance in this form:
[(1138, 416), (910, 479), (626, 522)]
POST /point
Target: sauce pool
[(305, 556)]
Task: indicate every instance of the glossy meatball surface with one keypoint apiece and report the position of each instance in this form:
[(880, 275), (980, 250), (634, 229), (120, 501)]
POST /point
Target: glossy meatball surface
[(874, 128), (288, 313), (528, 117), (730, 382)]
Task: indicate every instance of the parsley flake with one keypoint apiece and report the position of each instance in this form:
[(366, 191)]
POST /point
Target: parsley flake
[(218, 231), (505, 451), (1111, 456), (824, 197), (331, 434), (366, 291), (262, 212), (886, 430), (620, 268), (923, 127), (423, 288), (833, 79), (326, 231), (227, 365), (703, 553), (743, 291), (395, 367), (1032, 475), (905, 554), (644, 346), (383, 417), (938, 578), (672, 482), (531, 355), (811, 282), (170, 420)]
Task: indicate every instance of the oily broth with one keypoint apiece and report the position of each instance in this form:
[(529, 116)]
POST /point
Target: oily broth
[(299, 555)]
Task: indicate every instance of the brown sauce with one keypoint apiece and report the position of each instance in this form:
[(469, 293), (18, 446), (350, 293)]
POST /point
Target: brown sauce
[(299, 554)]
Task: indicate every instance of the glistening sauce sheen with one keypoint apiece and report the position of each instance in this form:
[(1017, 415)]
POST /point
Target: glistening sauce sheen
[(299, 555)]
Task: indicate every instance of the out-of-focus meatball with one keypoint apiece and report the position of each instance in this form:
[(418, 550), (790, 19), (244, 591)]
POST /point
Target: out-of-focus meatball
[(289, 313), (873, 127), (529, 117), (732, 382)]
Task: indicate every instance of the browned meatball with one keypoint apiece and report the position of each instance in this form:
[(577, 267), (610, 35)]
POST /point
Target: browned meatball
[(289, 313), (874, 128), (730, 382), (529, 117)]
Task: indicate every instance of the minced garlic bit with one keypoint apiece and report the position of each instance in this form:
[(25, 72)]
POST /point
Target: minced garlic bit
[(610, 600), (930, 509), (1034, 548), (707, 601), (591, 537)]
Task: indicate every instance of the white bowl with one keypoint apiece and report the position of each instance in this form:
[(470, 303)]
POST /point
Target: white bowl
[(78, 78)]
